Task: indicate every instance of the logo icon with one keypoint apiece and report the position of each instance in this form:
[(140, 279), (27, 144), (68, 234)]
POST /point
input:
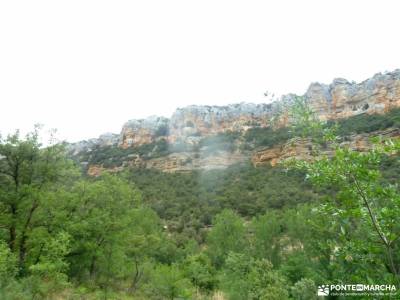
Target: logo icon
[(360, 287), (323, 290)]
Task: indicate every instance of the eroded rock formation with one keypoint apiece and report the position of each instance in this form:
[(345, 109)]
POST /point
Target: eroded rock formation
[(343, 99), (340, 99), (302, 148), (189, 125)]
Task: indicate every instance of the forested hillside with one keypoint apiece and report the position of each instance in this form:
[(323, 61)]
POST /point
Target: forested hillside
[(199, 150), (242, 232)]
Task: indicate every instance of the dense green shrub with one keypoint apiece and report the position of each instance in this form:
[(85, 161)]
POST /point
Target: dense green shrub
[(190, 200), (114, 156), (366, 123), (265, 136)]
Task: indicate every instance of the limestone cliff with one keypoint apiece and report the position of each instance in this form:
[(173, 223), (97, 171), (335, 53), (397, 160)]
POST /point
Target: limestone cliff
[(190, 125), (343, 99), (210, 120), (106, 139), (340, 99), (301, 148), (144, 131)]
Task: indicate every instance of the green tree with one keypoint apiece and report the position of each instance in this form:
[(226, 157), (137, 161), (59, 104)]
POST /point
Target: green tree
[(199, 269), (305, 289), (144, 244), (247, 278), (29, 175), (309, 241), (363, 196), (168, 282), (8, 265), (267, 233), (227, 234), (101, 224), (49, 273), (365, 202)]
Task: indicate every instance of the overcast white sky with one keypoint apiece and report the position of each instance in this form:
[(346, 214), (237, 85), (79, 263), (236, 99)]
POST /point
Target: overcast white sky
[(86, 67)]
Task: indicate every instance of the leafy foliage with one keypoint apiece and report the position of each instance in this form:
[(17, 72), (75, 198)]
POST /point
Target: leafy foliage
[(248, 278), (364, 202), (189, 201), (238, 233), (227, 236), (168, 282)]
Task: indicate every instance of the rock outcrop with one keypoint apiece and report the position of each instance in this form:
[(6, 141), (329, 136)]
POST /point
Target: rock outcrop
[(209, 120), (343, 99), (181, 162), (144, 131), (302, 148), (340, 99), (106, 139), (189, 125)]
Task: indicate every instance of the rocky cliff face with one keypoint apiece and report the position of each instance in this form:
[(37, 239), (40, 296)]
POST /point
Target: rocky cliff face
[(210, 120), (189, 125), (340, 99), (106, 139), (302, 148), (188, 161), (145, 131), (343, 99)]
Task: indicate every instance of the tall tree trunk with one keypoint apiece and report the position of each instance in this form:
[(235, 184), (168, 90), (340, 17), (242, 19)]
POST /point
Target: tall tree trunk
[(22, 245), (136, 278), (92, 267), (12, 230)]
